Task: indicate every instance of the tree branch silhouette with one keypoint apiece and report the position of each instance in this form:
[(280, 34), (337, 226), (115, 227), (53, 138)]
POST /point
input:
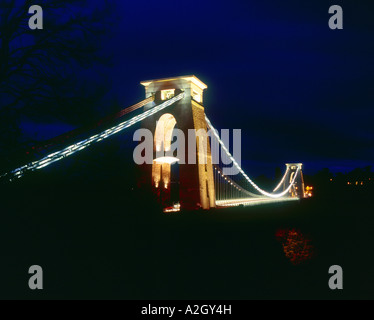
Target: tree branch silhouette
[(42, 71)]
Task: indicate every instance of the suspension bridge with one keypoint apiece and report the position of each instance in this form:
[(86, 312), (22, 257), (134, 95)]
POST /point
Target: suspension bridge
[(170, 103)]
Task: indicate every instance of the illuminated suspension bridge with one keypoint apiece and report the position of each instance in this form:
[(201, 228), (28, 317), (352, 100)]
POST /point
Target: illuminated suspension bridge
[(229, 189), (232, 190)]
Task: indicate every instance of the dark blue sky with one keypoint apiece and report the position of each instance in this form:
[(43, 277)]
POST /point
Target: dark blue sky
[(298, 90)]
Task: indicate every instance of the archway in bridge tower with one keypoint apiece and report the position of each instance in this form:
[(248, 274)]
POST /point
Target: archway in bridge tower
[(165, 167)]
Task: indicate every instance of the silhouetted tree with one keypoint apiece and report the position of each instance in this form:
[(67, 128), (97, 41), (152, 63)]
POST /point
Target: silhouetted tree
[(41, 71)]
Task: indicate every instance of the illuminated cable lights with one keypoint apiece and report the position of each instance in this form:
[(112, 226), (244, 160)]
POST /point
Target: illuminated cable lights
[(284, 177), (263, 192), (59, 155)]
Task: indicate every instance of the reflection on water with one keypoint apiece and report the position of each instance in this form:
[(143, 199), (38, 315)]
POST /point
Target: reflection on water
[(296, 245)]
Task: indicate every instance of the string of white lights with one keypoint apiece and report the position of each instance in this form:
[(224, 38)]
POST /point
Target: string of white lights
[(74, 148), (284, 177), (263, 192)]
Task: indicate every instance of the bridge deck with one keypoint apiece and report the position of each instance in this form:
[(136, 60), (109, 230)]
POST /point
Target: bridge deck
[(251, 202)]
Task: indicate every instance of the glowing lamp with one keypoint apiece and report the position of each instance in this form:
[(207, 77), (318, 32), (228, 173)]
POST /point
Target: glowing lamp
[(169, 160)]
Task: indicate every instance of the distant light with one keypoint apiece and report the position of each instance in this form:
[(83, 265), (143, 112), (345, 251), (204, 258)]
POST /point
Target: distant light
[(175, 208)]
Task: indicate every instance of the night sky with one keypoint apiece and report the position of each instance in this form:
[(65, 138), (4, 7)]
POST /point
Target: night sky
[(299, 91)]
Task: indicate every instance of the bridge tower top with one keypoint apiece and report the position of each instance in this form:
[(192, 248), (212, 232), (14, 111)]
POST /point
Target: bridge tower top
[(166, 88), (294, 165)]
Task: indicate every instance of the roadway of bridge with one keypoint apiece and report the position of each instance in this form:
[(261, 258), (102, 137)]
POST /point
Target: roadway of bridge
[(251, 201)]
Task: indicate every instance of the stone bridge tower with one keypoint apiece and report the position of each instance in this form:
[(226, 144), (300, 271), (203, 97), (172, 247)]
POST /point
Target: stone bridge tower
[(196, 183)]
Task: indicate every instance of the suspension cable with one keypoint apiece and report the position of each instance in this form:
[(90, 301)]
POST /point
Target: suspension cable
[(76, 132), (284, 177), (57, 156), (263, 192)]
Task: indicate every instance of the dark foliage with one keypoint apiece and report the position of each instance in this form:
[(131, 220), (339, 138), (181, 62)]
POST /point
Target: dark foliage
[(45, 74)]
